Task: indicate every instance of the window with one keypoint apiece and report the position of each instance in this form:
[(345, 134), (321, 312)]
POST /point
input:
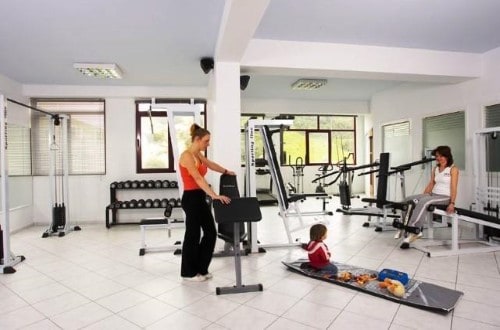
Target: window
[(86, 136), (492, 119), (19, 150), (154, 150), (396, 141), (447, 129), (320, 139), (259, 146)]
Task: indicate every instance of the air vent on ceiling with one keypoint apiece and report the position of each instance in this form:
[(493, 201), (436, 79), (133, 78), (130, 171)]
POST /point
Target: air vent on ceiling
[(308, 84)]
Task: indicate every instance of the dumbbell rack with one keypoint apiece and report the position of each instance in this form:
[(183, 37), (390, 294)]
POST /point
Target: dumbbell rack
[(117, 205)]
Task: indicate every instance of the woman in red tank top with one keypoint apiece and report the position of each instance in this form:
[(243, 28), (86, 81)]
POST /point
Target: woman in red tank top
[(193, 165)]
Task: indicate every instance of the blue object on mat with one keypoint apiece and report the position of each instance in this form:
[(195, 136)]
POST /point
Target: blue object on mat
[(393, 275)]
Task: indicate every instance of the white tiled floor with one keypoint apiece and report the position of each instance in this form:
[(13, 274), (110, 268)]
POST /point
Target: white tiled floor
[(95, 279)]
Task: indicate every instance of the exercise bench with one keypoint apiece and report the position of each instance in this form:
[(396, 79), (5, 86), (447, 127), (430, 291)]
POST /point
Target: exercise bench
[(164, 222), (455, 246), (240, 210)]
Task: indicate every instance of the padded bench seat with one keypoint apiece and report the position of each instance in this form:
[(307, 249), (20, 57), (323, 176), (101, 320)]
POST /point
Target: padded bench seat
[(456, 246), (159, 223)]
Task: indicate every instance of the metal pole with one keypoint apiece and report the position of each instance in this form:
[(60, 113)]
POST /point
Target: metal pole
[(4, 181), (65, 169)]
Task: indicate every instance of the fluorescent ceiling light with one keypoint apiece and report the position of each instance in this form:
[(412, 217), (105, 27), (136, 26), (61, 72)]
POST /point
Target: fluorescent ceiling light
[(99, 70), (308, 84)]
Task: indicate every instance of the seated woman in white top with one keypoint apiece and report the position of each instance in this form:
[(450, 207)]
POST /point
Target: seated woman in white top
[(441, 189)]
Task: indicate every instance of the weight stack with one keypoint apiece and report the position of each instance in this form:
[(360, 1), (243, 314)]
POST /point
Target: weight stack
[(1, 243), (345, 194)]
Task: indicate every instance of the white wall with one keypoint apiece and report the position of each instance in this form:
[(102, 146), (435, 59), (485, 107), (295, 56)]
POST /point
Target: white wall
[(415, 102), (20, 188)]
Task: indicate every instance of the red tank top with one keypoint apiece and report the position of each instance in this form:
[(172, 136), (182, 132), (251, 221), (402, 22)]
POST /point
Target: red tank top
[(187, 180)]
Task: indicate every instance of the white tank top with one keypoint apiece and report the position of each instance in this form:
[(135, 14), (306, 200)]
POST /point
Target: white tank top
[(442, 181)]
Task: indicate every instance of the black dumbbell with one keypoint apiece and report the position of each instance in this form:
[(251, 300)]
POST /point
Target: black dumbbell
[(165, 184), (164, 202), (140, 203), (156, 203), (119, 185), (178, 202), (150, 184), (124, 205), (135, 184), (113, 185), (132, 204), (173, 184), (143, 184), (172, 202), (127, 184), (148, 203), (168, 211), (158, 184)]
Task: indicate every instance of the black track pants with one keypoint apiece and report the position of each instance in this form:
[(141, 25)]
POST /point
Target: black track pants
[(196, 253)]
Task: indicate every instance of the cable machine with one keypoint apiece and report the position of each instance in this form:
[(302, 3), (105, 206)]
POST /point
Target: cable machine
[(288, 205), (58, 176)]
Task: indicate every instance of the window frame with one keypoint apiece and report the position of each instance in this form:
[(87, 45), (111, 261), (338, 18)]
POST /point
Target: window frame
[(140, 114), (318, 129)]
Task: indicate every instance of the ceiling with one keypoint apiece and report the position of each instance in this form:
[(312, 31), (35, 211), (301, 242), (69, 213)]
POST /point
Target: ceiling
[(160, 42)]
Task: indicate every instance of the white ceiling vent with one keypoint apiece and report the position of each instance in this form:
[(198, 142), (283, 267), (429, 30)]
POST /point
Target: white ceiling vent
[(308, 84)]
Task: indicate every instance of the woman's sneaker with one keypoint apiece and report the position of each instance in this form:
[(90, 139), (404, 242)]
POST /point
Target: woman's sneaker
[(196, 278)]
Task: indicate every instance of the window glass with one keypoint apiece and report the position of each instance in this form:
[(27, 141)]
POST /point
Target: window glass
[(337, 122), (343, 146), (447, 129), (294, 146), (305, 122), (492, 119), (154, 143), (18, 150), (318, 147), (86, 136)]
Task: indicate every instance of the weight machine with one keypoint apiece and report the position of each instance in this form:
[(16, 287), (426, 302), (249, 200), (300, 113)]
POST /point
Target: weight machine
[(58, 179), (484, 216), (324, 169), (288, 205), (399, 172)]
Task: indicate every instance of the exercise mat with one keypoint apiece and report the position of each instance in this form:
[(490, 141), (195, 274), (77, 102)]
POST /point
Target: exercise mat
[(416, 293)]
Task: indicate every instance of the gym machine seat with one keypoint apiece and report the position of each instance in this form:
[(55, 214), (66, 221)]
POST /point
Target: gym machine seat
[(238, 211)]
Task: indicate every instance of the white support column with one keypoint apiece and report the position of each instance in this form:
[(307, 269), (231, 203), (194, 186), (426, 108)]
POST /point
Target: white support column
[(224, 111)]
